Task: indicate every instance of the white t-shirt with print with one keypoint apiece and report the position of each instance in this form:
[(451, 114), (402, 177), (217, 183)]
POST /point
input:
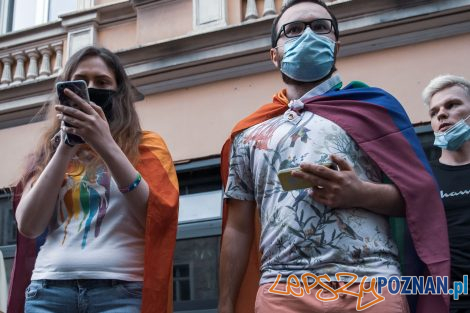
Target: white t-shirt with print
[(299, 235), (95, 233)]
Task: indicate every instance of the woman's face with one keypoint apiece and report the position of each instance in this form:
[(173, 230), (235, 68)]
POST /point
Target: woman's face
[(94, 71)]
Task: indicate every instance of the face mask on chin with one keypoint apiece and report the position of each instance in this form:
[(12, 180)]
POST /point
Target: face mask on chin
[(308, 58), (104, 99), (454, 137)]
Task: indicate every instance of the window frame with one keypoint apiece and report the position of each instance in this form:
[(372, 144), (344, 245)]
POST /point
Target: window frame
[(189, 278), (41, 13), (196, 306), (8, 251), (6, 193), (6, 16), (426, 139)]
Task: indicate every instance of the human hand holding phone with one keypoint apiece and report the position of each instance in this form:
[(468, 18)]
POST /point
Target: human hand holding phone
[(87, 121), (79, 87), (290, 182), (335, 189)]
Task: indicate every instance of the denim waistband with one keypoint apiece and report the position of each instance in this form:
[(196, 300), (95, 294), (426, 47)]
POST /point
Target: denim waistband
[(85, 283)]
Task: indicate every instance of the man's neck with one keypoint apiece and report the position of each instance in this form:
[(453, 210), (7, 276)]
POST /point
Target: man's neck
[(297, 91), (457, 157)]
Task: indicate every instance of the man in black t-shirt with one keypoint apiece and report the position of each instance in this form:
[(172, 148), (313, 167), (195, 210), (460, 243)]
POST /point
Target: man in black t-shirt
[(448, 99)]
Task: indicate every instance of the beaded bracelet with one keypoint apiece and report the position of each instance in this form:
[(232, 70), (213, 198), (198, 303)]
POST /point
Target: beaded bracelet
[(132, 186)]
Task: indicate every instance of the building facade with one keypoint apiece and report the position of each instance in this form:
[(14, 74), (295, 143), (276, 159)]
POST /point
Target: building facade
[(202, 65)]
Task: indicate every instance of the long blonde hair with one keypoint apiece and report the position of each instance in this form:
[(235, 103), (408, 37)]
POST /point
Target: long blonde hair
[(125, 127)]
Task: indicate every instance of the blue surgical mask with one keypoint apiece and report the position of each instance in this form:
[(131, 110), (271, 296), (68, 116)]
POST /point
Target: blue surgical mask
[(309, 57), (454, 137)]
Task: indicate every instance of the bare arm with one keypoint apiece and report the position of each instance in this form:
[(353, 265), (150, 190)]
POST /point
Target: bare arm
[(344, 189), (37, 203), (124, 174), (382, 198), (236, 243), (90, 123)]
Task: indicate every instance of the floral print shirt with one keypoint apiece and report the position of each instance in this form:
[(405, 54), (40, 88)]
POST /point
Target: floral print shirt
[(299, 235)]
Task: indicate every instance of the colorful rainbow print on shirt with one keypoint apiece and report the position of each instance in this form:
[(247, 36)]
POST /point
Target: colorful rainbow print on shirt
[(84, 200)]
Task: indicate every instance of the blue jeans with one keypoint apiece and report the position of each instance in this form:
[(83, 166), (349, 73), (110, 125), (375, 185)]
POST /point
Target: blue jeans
[(83, 296)]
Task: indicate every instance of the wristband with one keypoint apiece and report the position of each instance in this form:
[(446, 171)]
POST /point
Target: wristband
[(133, 185)]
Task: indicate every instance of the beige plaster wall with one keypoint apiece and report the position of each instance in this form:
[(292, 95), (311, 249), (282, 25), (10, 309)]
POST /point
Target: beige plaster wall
[(118, 37), (153, 20), (16, 143), (205, 114), (405, 71), (196, 121)]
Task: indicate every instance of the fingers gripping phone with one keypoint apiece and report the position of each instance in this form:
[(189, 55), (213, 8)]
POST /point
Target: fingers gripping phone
[(289, 182), (79, 87)]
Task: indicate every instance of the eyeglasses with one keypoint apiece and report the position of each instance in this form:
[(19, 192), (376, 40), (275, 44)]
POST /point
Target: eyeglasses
[(295, 29)]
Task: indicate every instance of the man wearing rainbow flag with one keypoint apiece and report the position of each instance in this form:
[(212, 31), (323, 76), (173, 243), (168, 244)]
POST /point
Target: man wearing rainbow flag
[(339, 224)]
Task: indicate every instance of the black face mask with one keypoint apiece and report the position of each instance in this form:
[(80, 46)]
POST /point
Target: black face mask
[(104, 99)]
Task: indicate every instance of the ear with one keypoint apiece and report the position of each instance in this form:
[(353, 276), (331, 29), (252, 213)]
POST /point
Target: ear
[(337, 45), (274, 56)]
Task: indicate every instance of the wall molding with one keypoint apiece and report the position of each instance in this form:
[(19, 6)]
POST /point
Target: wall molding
[(228, 53)]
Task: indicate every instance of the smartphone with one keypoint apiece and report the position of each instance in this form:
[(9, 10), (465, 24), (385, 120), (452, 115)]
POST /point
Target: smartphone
[(80, 88), (289, 182)]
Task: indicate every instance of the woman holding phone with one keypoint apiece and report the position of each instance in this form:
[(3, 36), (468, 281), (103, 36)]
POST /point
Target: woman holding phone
[(106, 209)]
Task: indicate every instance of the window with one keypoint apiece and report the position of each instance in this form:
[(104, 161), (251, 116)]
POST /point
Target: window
[(426, 137), (195, 273), (200, 190), (182, 290), (24, 14), (7, 222), (5, 15), (196, 261), (21, 14), (200, 206), (7, 230), (59, 7)]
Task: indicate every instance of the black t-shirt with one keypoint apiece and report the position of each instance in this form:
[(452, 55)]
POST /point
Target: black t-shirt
[(454, 183)]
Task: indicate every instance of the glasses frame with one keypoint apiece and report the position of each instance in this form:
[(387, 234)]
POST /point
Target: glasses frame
[(309, 24)]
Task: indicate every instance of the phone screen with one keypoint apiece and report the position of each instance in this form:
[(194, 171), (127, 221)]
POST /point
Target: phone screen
[(79, 87), (289, 182)]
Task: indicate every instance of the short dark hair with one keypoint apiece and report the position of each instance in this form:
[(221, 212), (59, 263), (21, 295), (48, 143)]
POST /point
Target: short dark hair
[(294, 2)]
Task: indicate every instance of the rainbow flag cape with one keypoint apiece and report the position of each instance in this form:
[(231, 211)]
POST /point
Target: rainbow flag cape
[(381, 127)]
